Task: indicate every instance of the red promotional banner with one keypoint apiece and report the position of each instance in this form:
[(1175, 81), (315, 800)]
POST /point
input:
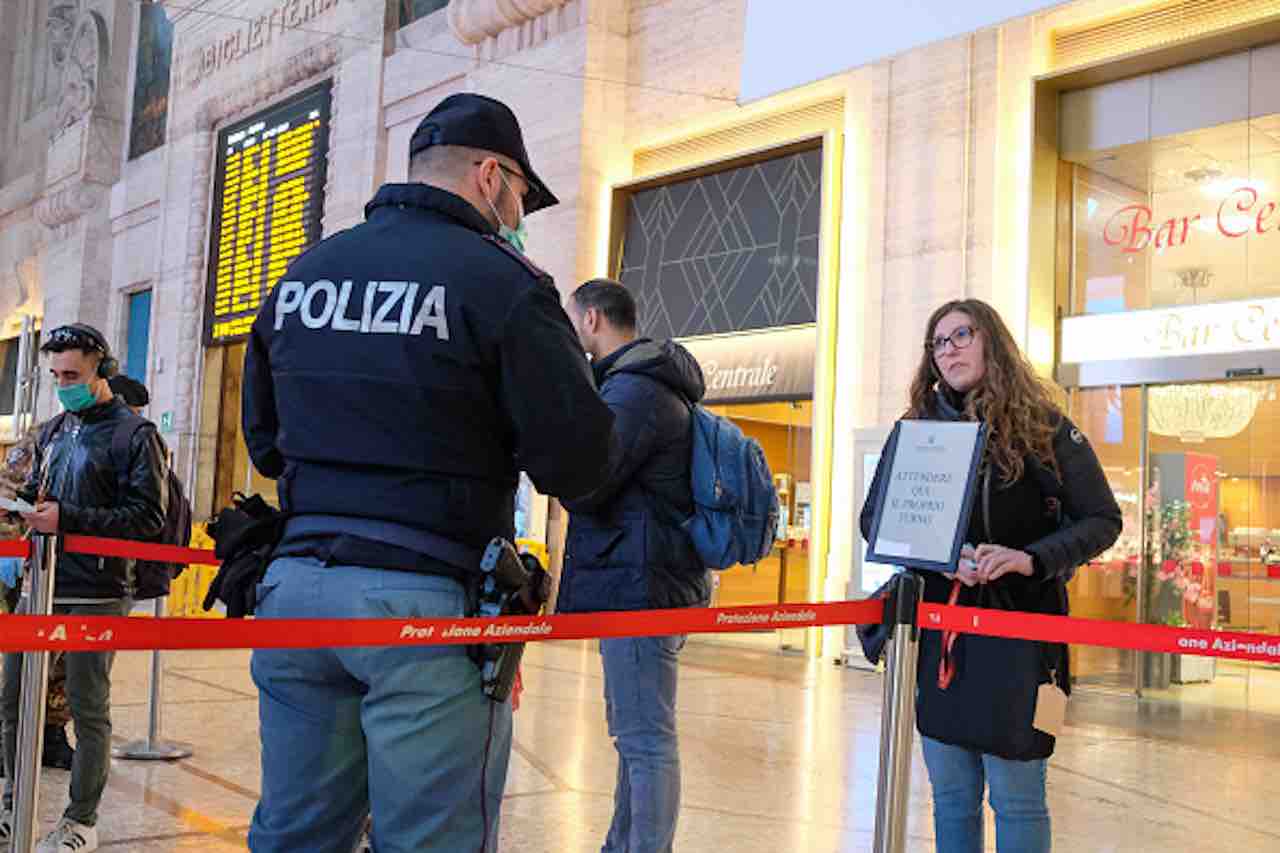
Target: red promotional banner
[(1202, 496)]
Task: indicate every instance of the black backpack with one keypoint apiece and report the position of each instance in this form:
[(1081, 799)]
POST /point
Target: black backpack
[(151, 577)]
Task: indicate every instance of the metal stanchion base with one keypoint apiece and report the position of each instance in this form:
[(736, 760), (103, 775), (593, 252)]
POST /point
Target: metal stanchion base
[(161, 750)]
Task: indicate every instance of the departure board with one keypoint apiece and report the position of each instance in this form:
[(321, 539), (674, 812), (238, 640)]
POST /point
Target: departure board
[(268, 197)]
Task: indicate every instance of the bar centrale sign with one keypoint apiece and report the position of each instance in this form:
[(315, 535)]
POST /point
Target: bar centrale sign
[(1215, 328), (1244, 210), (757, 366)]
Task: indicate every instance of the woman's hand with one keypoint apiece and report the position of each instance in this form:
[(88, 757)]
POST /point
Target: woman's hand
[(996, 561), (967, 571)]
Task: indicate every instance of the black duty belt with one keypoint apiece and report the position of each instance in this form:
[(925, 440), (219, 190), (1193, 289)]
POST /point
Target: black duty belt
[(410, 538)]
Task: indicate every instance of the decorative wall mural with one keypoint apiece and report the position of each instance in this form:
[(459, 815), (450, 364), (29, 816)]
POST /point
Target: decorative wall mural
[(729, 251), (151, 81)]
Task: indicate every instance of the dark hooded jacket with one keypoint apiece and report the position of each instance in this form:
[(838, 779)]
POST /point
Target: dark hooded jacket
[(626, 549)]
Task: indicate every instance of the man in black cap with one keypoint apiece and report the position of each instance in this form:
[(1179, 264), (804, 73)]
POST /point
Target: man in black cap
[(133, 392), (397, 379)]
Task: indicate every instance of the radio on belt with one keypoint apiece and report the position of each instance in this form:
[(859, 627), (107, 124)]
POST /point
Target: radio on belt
[(513, 584)]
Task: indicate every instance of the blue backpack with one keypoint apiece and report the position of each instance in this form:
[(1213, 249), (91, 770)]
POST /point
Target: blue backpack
[(735, 515)]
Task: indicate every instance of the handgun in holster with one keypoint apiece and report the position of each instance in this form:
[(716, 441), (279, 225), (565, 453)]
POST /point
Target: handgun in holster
[(512, 584)]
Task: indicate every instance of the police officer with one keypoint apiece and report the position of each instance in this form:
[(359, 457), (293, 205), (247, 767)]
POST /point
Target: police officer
[(397, 379)]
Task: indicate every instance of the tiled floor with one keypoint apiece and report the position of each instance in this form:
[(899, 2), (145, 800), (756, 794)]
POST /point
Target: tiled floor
[(779, 755)]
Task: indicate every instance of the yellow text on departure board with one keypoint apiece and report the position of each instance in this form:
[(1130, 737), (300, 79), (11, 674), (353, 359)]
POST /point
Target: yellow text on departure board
[(268, 212)]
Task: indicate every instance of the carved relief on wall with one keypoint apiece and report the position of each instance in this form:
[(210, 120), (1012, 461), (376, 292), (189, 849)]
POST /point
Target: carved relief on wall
[(473, 21), (54, 45), (59, 28), (85, 56)]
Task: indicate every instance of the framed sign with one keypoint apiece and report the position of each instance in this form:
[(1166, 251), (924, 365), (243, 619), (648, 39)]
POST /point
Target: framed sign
[(926, 494), (268, 197)]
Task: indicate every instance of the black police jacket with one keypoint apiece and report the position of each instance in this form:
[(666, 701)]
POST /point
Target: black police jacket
[(405, 370), (96, 498), (626, 547)]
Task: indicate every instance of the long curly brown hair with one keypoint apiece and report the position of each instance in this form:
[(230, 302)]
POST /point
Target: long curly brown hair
[(1022, 411)]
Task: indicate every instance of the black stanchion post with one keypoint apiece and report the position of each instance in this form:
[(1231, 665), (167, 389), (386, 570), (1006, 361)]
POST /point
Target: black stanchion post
[(35, 688), (152, 748), (897, 723)]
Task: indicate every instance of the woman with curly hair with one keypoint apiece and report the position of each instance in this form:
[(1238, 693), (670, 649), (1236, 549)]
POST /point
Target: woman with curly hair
[(1043, 508)]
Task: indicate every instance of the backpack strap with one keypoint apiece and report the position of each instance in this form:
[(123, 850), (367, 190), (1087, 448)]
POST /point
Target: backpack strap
[(121, 446)]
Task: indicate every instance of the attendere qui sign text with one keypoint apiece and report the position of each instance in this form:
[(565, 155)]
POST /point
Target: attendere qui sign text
[(267, 201)]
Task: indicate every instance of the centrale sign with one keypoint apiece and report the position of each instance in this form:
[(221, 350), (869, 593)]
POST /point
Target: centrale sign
[(1223, 327)]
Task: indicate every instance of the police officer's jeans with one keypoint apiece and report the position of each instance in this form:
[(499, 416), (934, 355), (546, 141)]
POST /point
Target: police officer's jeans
[(89, 698), (400, 731), (640, 704)]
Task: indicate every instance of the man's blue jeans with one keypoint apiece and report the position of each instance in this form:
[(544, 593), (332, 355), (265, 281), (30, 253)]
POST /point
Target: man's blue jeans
[(640, 703), (1017, 798), (405, 732)]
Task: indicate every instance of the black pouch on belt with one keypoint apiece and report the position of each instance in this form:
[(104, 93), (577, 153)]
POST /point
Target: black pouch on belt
[(245, 535)]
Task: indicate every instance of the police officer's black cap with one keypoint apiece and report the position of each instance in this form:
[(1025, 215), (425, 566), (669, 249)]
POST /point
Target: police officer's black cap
[(477, 121)]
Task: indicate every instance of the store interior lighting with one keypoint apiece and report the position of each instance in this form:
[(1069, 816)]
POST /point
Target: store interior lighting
[(1194, 413)]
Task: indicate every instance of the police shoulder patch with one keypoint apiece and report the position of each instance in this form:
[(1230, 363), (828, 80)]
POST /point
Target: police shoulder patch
[(530, 267), (1077, 436)]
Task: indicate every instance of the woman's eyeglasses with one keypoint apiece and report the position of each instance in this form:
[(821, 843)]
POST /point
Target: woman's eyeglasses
[(959, 339)]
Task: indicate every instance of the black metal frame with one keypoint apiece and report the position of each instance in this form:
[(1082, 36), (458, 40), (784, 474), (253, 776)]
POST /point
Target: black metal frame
[(962, 524)]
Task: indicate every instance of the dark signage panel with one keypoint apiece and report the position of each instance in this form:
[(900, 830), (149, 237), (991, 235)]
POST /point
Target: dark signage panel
[(268, 198), (731, 251), (757, 367)]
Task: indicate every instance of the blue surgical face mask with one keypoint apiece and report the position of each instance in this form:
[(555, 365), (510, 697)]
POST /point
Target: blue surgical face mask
[(76, 398), (515, 236)]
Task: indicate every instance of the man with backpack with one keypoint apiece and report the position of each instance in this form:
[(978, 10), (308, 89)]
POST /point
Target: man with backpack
[(152, 578), (627, 550), (77, 486)]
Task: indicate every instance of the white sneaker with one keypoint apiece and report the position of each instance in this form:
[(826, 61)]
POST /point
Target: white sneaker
[(70, 837), (6, 824)]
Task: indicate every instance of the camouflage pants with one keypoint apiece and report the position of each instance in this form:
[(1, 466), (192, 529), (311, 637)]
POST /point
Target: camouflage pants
[(57, 713), (56, 710)]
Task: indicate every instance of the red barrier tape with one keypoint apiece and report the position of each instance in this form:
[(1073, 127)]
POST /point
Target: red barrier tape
[(100, 547), (137, 550), (25, 633), (85, 633), (15, 548), (1093, 632)]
